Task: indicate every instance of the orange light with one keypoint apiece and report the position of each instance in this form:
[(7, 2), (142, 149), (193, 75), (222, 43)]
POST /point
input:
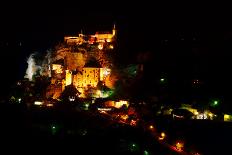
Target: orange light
[(49, 105), (179, 146)]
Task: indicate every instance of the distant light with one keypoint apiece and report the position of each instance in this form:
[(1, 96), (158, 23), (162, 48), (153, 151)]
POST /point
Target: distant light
[(162, 80), (38, 103), (54, 129), (145, 152), (162, 136), (134, 147), (19, 100), (111, 47), (151, 127), (100, 46), (215, 102), (196, 113), (179, 146), (104, 109), (71, 99), (49, 105), (86, 105), (133, 122)]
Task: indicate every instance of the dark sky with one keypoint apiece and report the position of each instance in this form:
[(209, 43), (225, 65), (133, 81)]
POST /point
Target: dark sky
[(184, 42)]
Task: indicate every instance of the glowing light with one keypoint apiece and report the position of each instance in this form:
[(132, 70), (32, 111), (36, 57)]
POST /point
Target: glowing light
[(57, 68), (101, 74), (151, 127), (202, 116), (162, 136), (133, 122), (49, 105), (68, 78), (100, 46), (111, 47), (71, 98), (124, 117), (179, 146), (104, 109), (38, 103), (121, 103), (210, 114), (134, 147), (145, 152), (162, 80), (106, 71), (215, 102), (227, 117), (53, 129)]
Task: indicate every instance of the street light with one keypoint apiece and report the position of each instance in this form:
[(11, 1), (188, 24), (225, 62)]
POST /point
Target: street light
[(215, 102)]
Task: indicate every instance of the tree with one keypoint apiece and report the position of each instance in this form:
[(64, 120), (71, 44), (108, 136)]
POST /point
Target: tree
[(70, 92)]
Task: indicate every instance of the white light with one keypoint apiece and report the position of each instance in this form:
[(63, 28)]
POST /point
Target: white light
[(71, 98), (104, 109), (202, 116), (100, 46), (38, 103)]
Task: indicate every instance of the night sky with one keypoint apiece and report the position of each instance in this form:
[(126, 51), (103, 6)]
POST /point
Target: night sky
[(185, 45)]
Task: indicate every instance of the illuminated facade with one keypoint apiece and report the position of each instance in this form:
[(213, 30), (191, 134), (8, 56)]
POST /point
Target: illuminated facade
[(98, 37), (90, 77), (73, 68)]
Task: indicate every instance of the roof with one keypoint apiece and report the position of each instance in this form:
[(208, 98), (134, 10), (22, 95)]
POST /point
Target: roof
[(93, 63), (60, 61)]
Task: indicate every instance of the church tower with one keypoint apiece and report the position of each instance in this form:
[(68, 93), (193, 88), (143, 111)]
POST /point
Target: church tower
[(114, 30)]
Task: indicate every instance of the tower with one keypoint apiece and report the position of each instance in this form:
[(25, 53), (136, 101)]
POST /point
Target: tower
[(114, 30)]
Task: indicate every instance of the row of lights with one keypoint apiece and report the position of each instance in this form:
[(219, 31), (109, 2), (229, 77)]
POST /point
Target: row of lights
[(161, 137)]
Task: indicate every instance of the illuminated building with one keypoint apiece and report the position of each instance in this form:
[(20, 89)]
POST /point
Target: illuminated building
[(72, 65), (102, 37), (90, 77), (98, 37)]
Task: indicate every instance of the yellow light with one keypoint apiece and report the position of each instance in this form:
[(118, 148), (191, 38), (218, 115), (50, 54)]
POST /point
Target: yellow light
[(210, 114), (226, 117), (68, 78), (196, 113), (162, 136), (124, 117), (111, 47), (38, 103), (101, 74), (179, 146), (49, 105), (100, 46), (151, 127), (121, 103), (57, 68)]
